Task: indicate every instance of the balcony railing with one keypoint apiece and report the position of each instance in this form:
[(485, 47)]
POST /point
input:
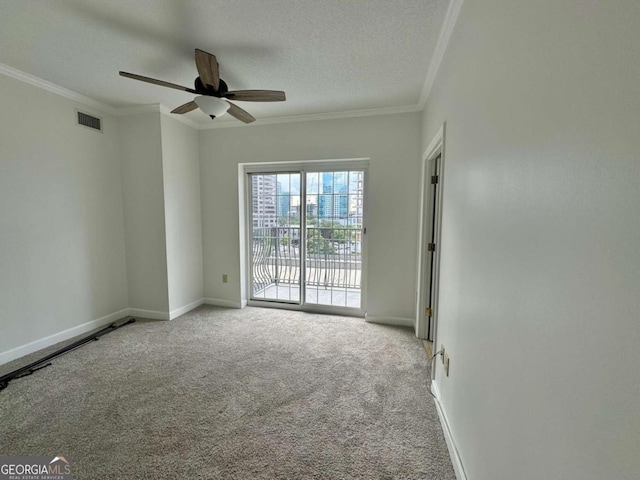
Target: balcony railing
[(333, 257)]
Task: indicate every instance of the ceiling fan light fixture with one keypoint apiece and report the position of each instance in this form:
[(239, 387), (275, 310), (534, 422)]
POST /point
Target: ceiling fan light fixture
[(212, 105), (213, 91)]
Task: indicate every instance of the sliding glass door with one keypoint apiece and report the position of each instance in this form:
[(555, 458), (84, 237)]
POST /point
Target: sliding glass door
[(306, 236), (333, 227), (275, 237)]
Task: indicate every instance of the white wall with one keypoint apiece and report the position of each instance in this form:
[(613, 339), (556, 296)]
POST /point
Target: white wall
[(181, 167), (62, 252), (540, 262), (163, 229), (144, 214), (392, 144)]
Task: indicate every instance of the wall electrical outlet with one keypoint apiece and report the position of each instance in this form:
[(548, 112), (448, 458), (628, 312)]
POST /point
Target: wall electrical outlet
[(446, 365), (442, 354), (225, 278)]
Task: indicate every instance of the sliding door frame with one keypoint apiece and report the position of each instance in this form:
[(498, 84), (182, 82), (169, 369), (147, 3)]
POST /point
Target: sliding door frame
[(304, 167), (249, 232)]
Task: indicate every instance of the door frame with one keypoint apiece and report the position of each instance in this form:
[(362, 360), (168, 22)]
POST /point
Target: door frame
[(304, 167), (427, 223), (302, 239)]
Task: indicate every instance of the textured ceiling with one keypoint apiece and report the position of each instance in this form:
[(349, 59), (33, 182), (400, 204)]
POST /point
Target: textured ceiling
[(328, 56)]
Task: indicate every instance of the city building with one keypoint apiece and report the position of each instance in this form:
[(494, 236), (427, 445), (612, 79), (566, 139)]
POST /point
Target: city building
[(264, 211), (284, 200), (333, 199)]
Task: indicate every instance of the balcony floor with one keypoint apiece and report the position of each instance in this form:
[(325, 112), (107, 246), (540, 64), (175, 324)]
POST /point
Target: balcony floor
[(316, 295)]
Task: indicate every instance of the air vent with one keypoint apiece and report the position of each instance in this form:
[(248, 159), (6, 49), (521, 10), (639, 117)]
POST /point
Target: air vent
[(90, 121)]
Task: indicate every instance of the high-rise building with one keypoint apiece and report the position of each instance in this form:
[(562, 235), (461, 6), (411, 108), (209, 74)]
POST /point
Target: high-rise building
[(263, 195), (333, 200), (284, 200), (356, 188), (312, 210)]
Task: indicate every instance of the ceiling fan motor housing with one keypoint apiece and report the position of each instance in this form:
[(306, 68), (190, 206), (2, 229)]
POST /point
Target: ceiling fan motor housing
[(203, 89)]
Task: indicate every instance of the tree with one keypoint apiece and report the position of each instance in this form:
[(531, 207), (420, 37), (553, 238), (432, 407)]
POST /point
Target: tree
[(316, 243)]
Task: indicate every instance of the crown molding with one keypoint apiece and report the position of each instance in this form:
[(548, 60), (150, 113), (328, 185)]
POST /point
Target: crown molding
[(441, 46), (156, 107), (90, 102), (53, 88), (438, 54), (314, 117)]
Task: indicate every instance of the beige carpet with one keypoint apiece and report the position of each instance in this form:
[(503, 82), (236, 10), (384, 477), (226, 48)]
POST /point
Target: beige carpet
[(233, 394)]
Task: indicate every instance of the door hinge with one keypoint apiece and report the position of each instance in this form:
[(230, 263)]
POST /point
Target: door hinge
[(434, 179), (428, 312), (431, 247)]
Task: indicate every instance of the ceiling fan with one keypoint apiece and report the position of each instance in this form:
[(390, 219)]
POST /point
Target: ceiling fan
[(213, 93)]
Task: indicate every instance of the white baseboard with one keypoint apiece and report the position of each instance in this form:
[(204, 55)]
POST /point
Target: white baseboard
[(45, 342), (150, 314), (223, 303), (187, 308), (398, 321), (448, 436)]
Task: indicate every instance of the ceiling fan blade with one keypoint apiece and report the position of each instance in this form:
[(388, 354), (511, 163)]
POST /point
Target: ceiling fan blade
[(207, 66), (256, 95), (187, 107), (240, 114), (156, 82)]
